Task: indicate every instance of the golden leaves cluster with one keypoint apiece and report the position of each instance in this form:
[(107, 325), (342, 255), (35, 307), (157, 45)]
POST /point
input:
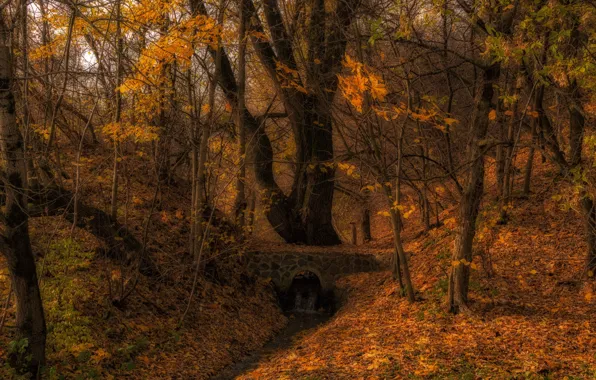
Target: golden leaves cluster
[(126, 131), (359, 81), (177, 45)]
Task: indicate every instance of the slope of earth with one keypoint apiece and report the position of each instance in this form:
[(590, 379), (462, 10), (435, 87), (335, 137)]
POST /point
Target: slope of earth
[(92, 336), (531, 313), (88, 337)]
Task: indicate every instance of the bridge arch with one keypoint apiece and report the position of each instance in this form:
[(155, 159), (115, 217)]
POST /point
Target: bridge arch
[(282, 267), (326, 283)]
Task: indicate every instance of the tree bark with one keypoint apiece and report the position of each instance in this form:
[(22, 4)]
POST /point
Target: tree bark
[(577, 126), (14, 243), (52, 126), (506, 186), (470, 201), (530, 162), (396, 224), (303, 216), (117, 112), (240, 202), (366, 233)]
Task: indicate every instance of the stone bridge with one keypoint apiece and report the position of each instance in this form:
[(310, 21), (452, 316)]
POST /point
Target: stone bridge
[(283, 267)]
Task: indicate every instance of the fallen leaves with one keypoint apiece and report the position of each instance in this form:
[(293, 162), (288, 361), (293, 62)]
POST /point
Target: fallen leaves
[(523, 324)]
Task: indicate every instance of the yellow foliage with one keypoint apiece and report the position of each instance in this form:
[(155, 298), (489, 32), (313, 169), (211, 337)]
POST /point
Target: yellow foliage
[(126, 131), (449, 121), (492, 115), (359, 82), (177, 45)]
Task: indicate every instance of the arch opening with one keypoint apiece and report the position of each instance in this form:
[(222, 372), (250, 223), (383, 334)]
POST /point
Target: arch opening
[(306, 294)]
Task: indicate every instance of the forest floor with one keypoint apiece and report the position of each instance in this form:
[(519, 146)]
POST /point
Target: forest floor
[(89, 338), (531, 310), (531, 316), (150, 335)]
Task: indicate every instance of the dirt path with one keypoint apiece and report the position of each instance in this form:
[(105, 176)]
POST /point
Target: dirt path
[(298, 325)]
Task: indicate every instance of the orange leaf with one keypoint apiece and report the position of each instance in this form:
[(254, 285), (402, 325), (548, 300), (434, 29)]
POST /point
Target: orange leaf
[(492, 115)]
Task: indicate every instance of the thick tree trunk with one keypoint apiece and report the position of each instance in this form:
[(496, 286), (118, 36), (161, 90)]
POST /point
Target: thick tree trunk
[(312, 193), (15, 243), (303, 216), (309, 114), (470, 201)]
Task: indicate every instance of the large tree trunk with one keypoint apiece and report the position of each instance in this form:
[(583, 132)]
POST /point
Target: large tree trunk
[(15, 244), (312, 192), (309, 114), (470, 201), (303, 216)]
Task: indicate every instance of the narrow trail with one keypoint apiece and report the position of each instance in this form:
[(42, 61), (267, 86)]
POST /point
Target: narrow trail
[(298, 325), (305, 308)]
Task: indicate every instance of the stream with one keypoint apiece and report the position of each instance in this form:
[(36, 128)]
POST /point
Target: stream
[(306, 308)]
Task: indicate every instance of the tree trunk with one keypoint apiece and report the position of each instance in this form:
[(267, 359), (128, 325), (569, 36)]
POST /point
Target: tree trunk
[(509, 168), (240, 203), (15, 244), (530, 162), (424, 202), (366, 233), (577, 124), (401, 268), (201, 189), (194, 159), (589, 211), (500, 155), (312, 194), (470, 201), (52, 126), (303, 216), (117, 112)]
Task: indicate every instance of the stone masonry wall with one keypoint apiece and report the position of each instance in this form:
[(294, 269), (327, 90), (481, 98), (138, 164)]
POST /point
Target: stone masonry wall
[(282, 267)]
